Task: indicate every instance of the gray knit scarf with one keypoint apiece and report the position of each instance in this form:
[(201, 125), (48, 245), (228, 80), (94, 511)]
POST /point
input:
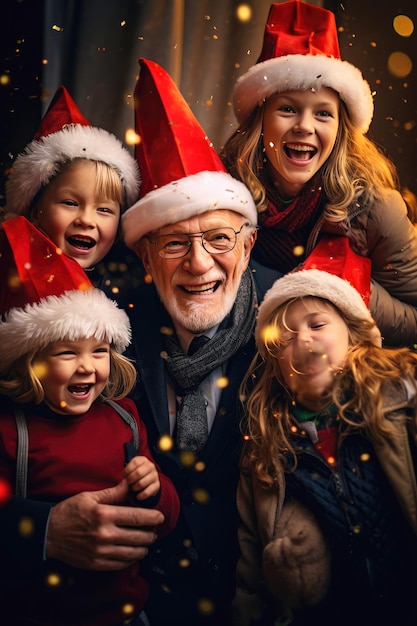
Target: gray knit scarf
[(187, 372)]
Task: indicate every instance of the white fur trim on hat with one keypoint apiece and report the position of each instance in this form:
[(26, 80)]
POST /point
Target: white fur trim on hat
[(73, 315), (39, 162), (299, 72), (316, 283), (185, 198)]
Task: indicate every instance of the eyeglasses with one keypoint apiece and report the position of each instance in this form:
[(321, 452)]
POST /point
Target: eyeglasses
[(214, 241)]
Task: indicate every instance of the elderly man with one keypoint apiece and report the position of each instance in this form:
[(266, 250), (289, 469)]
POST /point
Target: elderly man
[(193, 227)]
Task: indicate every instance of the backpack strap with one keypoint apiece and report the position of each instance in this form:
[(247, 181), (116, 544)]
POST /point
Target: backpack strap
[(129, 419), (21, 453)]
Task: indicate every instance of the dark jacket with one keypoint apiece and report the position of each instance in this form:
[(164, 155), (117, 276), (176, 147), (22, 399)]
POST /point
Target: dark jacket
[(208, 493)]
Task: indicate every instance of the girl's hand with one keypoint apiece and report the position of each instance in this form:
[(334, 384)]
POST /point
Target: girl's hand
[(142, 476)]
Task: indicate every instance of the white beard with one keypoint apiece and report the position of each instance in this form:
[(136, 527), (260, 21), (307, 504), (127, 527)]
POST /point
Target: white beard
[(198, 318)]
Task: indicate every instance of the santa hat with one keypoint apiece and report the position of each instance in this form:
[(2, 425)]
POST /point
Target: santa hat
[(45, 296), (182, 175), (300, 52), (64, 135), (333, 272)]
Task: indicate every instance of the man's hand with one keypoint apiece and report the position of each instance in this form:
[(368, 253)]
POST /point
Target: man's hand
[(91, 531)]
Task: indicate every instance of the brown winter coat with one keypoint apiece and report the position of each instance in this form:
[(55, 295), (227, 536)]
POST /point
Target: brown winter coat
[(268, 530)]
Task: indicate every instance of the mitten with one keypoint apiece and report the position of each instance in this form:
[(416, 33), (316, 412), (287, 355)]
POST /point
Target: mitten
[(296, 563)]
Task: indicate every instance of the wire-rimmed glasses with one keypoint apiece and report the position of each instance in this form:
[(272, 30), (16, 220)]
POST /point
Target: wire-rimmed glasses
[(214, 241)]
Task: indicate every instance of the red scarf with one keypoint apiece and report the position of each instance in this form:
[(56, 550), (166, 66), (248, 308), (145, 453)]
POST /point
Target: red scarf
[(286, 227)]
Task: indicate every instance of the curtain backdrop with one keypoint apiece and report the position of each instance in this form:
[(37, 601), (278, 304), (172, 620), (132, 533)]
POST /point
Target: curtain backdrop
[(92, 47), (202, 45)]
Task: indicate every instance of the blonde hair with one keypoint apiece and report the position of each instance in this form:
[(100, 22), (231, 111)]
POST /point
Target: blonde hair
[(357, 393), (108, 182), (22, 385), (346, 175), (410, 200)]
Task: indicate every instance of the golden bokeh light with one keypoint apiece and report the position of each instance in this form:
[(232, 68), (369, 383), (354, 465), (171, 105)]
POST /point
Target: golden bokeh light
[(205, 606), (14, 282), (403, 25), (269, 334), (165, 443), (128, 608), (53, 580), (298, 250), (187, 458), (26, 527), (201, 496), (131, 137), (244, 12), (399, 64), (40, 369), (222, 382)]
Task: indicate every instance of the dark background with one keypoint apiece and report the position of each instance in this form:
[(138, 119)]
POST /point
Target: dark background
[(92, 47)]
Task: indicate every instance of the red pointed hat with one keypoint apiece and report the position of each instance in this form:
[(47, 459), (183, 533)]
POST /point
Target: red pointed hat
[(300, 52), (182, 175), (63, 135), (62, 112), (45, 296), (333, 272)]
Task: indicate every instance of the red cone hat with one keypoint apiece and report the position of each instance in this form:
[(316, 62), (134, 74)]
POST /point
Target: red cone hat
[(45, 296), (63, 135), (299, 28), (182, 175), (168, 130), (332, 271), (301, 51), (61, 112), (32, 267)]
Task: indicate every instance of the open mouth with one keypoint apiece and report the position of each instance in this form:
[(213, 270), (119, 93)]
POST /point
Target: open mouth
[(299, 152), (80, 390), (203, 289), (82, 243), (312, 363)]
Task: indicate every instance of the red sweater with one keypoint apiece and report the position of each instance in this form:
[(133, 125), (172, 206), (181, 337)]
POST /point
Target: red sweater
[(67, 455)]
